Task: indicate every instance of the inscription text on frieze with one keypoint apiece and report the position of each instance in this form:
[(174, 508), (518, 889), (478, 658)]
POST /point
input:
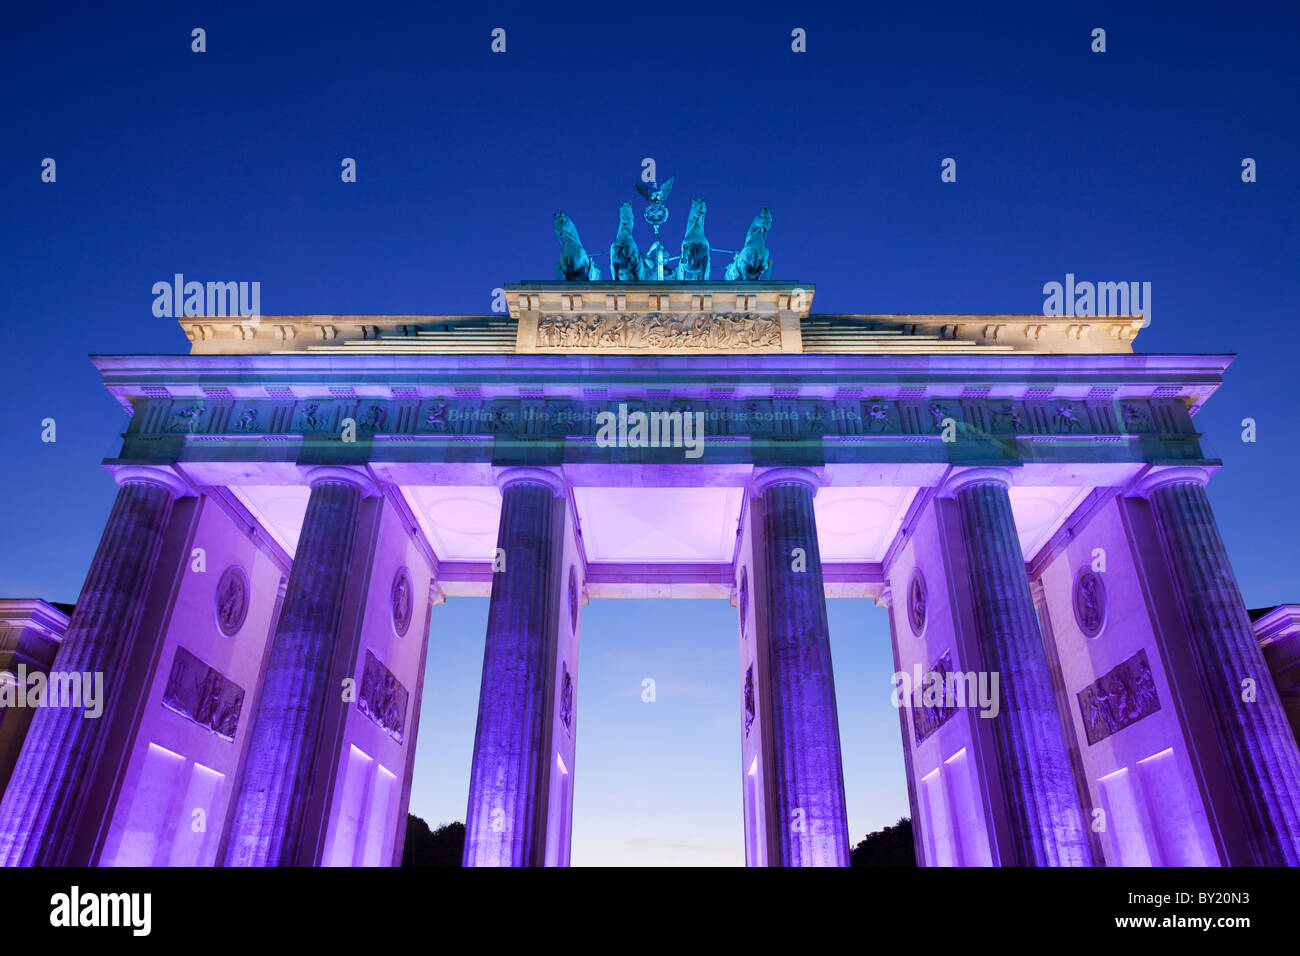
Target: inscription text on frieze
[(973, 419)]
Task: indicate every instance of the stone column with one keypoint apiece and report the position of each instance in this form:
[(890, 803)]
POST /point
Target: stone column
[(1044, 816), (31, 632), (61, 754), (267, 822), (505, 823), (1253, 735), (807, 775)]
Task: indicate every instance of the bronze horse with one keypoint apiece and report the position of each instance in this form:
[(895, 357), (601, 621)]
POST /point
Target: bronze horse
[(574, 264), (753, 260)]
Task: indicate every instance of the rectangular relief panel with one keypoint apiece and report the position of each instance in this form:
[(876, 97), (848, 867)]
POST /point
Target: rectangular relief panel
[(1120, 697), (929, 718), (203, 694), (383, 698)]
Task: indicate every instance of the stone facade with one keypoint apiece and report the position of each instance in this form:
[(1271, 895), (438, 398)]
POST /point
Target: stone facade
[(1023, 494)]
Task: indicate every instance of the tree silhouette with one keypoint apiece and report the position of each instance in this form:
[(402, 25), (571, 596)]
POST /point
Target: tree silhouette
[(444, 846), (440, 847), (891, 846)]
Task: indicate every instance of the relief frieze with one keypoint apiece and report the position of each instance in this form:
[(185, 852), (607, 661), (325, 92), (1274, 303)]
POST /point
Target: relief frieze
[(382, 698), (1120, 697), (203, 694), (662, 331), (928, 718)]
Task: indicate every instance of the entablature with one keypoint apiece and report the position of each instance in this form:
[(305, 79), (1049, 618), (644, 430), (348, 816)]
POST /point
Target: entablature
[(654, 318)]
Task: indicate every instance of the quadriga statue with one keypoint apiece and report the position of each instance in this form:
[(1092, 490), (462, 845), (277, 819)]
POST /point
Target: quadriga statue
[(625, 262), (753, 260), (694, 263), (574, 265)]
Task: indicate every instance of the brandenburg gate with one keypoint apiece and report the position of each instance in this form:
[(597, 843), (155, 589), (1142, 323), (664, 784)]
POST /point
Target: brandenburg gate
[(1023, 493)]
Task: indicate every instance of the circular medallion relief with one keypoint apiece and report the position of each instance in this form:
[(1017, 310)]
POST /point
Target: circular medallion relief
[(573, 601), (1089, 602), (401, 601), (230, 603), (916, 602)]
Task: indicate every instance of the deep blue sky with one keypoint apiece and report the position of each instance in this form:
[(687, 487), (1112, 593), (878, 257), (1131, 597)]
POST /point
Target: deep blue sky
[(225, 166)]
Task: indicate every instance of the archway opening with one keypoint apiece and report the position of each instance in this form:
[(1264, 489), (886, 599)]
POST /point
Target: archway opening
[(658, 778)]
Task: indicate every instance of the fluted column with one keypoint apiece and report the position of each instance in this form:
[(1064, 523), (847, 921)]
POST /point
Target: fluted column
[(1254, 736), (505, 823), (267, 823), (39, 813), (807, 775), (1045, 818)]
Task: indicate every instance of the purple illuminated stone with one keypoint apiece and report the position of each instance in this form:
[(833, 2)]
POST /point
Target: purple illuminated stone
[(40, 813), (1265, 765), (267, 823), (809, 779), (1046, 820), (506, 818)]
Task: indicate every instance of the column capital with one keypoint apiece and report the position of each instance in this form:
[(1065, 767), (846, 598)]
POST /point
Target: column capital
[(765, 478), (159, 475), (343, 473), (960, 478), (550, 477), (1158, 477)]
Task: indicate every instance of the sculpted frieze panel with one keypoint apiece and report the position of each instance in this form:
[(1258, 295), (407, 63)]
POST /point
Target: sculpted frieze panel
[(316, 416), (373, 418), (248, 419), (1068, 417), (1137, 417), (1120, 697), (187, 417), (928, 718), (659, 330), (749, 699), (382, 697), (1007, 418), (938, 411), (1059, 417), (203, 695), (880, 417)]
